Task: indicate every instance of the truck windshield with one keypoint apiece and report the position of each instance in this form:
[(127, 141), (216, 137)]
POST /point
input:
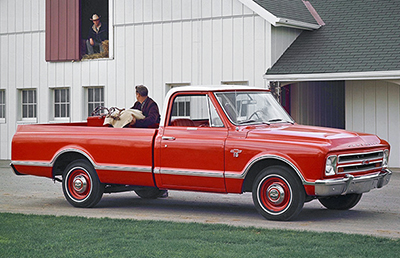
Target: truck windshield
[(252, 107)]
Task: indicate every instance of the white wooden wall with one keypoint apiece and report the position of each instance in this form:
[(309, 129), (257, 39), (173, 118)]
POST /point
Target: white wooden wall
[(156, 43), (189, 41), (281, 38), (374, 107)]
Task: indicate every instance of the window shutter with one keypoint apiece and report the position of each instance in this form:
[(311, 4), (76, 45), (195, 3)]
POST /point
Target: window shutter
[(63, 30)]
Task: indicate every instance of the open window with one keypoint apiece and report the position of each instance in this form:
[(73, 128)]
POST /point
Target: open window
[(93, 9), (67, 26)]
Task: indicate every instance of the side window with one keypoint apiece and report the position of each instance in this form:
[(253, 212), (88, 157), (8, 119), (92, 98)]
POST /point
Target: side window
[(215, 120), (181, 107), (61, 103), (95, 98), (29, 104), (194, 111), (2, 106)]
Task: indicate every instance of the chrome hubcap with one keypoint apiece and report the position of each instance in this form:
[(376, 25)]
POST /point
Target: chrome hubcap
[(80, 184), (276, 193)]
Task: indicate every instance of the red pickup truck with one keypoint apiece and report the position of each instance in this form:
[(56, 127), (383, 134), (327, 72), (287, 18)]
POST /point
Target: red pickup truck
[(232, 139)]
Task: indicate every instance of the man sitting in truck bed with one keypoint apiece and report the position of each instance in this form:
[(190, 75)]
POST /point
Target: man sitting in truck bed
[(148, 107)]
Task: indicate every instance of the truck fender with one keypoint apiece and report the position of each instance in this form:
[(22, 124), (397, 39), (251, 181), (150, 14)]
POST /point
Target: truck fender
[(257, 164), (65, 156)]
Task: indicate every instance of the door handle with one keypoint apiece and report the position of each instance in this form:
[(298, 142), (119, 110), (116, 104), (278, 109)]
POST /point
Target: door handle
[(168, 138)]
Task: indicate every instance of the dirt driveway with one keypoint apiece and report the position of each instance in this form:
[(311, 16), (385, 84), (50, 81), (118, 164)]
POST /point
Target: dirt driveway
[(378, 212)]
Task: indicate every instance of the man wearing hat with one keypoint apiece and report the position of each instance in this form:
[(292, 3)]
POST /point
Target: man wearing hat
[(97, 34)]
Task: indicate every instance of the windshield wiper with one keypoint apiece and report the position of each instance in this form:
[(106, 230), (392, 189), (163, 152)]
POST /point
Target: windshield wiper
[(274, 120), (246, 122)]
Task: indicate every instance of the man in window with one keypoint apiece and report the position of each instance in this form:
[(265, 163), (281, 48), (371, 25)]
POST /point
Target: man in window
[(97, 34), (148, 107)]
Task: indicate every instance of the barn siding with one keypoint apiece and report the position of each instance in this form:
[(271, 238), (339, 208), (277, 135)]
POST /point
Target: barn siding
[(156, 43), (374, 107), (281, 38)]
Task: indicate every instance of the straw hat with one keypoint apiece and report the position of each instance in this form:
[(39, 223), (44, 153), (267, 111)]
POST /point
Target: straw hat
[(95, 17)]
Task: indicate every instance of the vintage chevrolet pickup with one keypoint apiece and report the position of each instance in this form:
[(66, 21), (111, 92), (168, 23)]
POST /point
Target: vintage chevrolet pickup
[(222, 139)]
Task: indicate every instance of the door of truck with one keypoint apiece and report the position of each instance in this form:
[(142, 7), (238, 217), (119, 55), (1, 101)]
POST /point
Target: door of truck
[(192, 145)]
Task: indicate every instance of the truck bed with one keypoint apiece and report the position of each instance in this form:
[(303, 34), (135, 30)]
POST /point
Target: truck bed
[(37, 147)]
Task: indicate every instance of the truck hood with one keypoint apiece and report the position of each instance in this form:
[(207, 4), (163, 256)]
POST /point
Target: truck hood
[(333, 139)]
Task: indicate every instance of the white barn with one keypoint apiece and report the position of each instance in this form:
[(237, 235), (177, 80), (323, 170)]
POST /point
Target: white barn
[(158, 43)]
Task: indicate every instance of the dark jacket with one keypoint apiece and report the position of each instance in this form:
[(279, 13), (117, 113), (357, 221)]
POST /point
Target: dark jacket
[(101, 35), (150, 111)]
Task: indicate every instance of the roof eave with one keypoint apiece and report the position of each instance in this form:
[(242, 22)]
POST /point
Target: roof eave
[(296, 24), (376, 75), (277, 21)]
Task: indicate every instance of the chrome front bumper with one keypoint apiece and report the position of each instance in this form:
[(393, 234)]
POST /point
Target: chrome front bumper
[(352, 184)]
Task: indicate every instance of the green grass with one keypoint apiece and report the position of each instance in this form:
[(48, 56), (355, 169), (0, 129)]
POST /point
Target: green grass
[(50, 236)]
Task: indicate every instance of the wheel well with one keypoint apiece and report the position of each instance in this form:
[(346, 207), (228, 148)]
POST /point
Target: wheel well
[(257, 168), (63, 160)]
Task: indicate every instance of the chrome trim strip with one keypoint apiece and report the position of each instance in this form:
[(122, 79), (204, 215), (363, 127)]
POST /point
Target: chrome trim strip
[(71, 150), (247, 169), (124, 168), (216, 174), (31, 163), (112, 168), (233, 175)]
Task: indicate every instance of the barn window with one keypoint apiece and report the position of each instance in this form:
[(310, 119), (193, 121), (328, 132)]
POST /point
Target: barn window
[(67, 26), (29, 104), (95, 98), (61, 103)]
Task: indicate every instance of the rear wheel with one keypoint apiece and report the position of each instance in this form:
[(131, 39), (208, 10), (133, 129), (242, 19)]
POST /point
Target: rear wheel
[(341, 202), (81, 185), (278, 193)]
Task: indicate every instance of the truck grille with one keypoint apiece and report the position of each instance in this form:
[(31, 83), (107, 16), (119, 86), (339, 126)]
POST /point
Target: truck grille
[(360, 162)]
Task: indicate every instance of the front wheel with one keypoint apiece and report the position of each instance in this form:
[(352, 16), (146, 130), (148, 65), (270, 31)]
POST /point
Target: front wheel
[(341, 202), (81, 185), (278, 193)]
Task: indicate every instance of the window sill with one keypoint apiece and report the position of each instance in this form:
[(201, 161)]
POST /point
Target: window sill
[(2, 120), (60, 120), (97, 59), (27, 121)]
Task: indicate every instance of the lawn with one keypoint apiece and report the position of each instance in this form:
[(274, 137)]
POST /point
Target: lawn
[(51, 236)]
